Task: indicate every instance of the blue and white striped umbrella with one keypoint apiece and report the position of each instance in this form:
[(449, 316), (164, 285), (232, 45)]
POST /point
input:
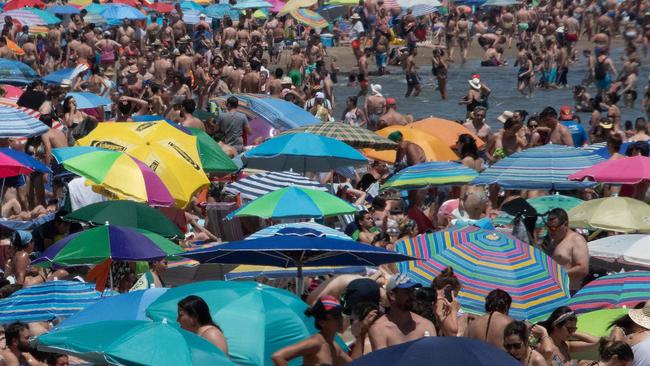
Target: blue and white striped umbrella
[(16, 123), (542, 167), (16, 73), (419, 10), (89, 100), (325, 230), (257, 185), (47, 301)]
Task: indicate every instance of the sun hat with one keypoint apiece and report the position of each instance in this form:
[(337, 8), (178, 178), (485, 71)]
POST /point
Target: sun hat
[(395, 136), (475, 82), (400, 280), (286, 80), (503, 117), (641, 316), (606, 123), (358, 291), (376, 89), (320, 95)]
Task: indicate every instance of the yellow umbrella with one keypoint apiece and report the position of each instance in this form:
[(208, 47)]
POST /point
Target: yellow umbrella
[(621, 214), (434, 148), (168, 151), (295, 5)]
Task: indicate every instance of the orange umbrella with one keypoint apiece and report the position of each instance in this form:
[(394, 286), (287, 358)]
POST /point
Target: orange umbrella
[(446, 130), (434, 148), (14, 47)]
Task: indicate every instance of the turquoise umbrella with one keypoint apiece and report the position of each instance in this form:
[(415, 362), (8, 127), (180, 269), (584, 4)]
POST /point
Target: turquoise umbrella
[(133, 342)]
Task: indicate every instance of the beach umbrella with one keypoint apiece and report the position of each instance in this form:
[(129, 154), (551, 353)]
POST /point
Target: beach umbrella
[(213, 159), (484, 260), (132, 342), (620, 214), (121, 12), (257, 185), (13, 163), (631, 249), (15, 72), (118, 243), (129, 306), (434, 148), (332, 12), (600, 148), (357, 137), (47, 301), (133, 3), (295, 5), (126, 213), (419, 10), (116, 172), (25, 17), (257, 320), (598, 323), (618, 290), (95, 18), (15, 122), (12, 92), (273, 230), (190, 5), (95, 8), (431, 173), (252, 4), (58, 76), (279, 113), (13, 46), (171, 153), (541, 167), (47, 17), (63, 9), (295, 202), (219, 11), (542, 205), (20, 4), (629, 170), (411, 3), (309, 18), (193, 17), (428, 351), (163, 8), (302, 152), (502, 2), (87, 100)]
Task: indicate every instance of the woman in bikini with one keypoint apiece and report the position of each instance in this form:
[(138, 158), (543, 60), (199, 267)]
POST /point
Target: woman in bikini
[(194, 316), (612, 354), (516, 343), (561, 327)]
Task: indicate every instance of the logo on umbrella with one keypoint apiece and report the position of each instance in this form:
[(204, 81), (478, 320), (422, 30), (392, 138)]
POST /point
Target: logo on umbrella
[(107, 145), (143, 126), (184, 155)]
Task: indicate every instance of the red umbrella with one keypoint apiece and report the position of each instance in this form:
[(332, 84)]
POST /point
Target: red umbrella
[(163, 8), (133, 3), (630, 170), (18, 4)]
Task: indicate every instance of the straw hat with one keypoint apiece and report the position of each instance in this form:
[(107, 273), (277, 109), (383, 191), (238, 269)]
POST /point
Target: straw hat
[(606, 123), (286, 80), (475, 83), (504, 116), (641, 316), (376, 89)]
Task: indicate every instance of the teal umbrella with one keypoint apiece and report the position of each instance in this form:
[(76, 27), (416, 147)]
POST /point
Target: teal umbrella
[(257, 320), (542, 205), (213, 158), (133, 342)]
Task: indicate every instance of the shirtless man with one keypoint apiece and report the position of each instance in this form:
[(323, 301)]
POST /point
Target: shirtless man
[(399, 324), (391, 117), (523, 18), (489, 327), (31, 54), (572, 32), (363, 63), (374, 107), (463, 36), (18, 348), (508, 25), (234, 76), (568, 248), (509, 140), (412, 77), (184, 63), (296, 66), (178, 28), (161, 65), (555, 132), (382, 45), (408, 153), (275, 84), (5, 51), (188, 119), (478, 126), (126, 30), (251, 82)]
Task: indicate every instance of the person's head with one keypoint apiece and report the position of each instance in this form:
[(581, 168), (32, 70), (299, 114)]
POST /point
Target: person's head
[(498, 301), (17, 337), (425, 299), (363, 219), (159, 266), (189, 105), (478, 115), (22, 240), (562, 323), (614, 143), (391, 103), (400, 290), (193, 312), (232, 102), (352, 101), (328, 314), (641, 125), (548, 117), (466, 146), (511, 126), (515, 339), (361, 291), (446, 278), (557, 222), (68, 104), (617, 353), (519, 116), (57, 359)]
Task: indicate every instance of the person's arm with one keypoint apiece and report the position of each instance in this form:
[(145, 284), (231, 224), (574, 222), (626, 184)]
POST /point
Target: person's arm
[(545, 345), (582, 342), (140, 102), (214, 336), (377, 338), (305, 348), (445, 312), (579, 258), (360, 334), (567, 139)]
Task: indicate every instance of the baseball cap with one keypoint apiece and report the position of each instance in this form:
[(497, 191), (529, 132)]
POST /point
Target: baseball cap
[(320, 95), (358, 291), (390, 101), (325, 305), (400, 280), (566, 113)]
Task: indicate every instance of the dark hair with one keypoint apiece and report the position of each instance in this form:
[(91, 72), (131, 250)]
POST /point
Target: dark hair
[(641, 124), (52, 358), (550, 323), (615, 142), (468, 146), (558, 213), (197, 308), (639, 147), (497, 300), (519, 329), (510, 123), (423, 304), (446, 278), (548, 112), (12, 331), (279, 73), (359, 216), (318, 312), (66, 103), (189, 105), (354, 99), (232, 102), (608, 349)]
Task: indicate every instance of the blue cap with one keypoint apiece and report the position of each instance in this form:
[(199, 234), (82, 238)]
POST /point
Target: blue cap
[(400, 280)]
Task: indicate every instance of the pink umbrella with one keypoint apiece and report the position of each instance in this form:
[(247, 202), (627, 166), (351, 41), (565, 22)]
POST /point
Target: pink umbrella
[(277, 5), (630, 170), (12, 92)]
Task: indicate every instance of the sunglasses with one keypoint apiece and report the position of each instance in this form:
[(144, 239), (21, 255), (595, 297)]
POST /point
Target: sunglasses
[(510, 346), (571, 329)]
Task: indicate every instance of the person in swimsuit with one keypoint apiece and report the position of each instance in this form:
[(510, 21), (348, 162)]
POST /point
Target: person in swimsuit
[(561, 326), (353, 115), (490, 327), (194, 316), (516, 343), (612, 353)]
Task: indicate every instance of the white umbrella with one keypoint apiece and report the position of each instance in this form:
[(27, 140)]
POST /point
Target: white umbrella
[(501, 2), (627, 249), (411, 3)]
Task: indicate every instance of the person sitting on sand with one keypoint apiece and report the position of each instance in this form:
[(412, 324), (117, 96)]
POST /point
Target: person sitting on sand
[(194, 316)]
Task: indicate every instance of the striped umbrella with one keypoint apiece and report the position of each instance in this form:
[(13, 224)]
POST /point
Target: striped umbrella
[(47, 301), (95, 18), (357, 137), (14, 122), (542, 167), (121, 12), (431, 173), (15, 72), (95, 8), (423, 9), (255, 186), (309, 17), (219, 11), (47, 17), (252, 4), (295, 5), (190, 5), (625, 289), (63, 9), (484, 260)]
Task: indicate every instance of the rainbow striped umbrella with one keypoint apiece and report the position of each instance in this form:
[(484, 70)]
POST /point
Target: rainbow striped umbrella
[(625, 289), (309, 17), (484, 260), (431, 173), (542, 167)]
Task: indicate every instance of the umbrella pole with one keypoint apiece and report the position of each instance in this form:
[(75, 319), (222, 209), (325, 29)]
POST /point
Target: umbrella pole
[(300, 281), (110, 276)]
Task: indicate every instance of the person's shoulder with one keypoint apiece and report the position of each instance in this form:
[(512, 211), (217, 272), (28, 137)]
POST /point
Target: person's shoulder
[(421, 321)]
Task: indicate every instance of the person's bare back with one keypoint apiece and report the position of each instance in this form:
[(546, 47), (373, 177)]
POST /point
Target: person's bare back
[(478, 328)]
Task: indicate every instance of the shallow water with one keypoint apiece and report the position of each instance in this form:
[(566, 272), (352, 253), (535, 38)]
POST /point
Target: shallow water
[(502, 82)]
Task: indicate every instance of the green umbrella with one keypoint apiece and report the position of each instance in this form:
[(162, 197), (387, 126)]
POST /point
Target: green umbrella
[(126, 213), (542, 205), (597, 322), (132, 342), (213, 158), (257, 320), (296, 202)]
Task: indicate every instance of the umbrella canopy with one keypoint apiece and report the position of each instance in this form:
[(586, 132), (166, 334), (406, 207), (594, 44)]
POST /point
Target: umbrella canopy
[(446, 130), (115, 172), (357, 137), (501, 2), (411, 3), (171, 153), (89, 100), (47, 301), (24, 159), (302, 152), (126, 213), (542, 205), (295, 5), (426, 351), (279, 113), (133, 342), (95, 8), (10, 167), (19, 4), (219, 11), (295, 202), (120, 12), (26, 17), (63, 9), (15, 122), (431, 173), (309, 18), (252, 4), (193, 17), (419, 10), (190, 5), (434, 148), (128, 306), (484, 260), (254, 272), (96, 245), (58, 76), (213, 159), (163, 8), (621, 214), (257, 320), (47, 17), (630, 170), (273, 230), (618, 290), (627, 249), (542, 167), (598, 323), (257, 185), (15, 72), (95, 18)]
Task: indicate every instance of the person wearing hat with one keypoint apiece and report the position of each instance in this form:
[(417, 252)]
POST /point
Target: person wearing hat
[(634, 329), (477, 94), (374, 106), (357, 34), (477, 125), (399, 324), (578, 133), (508, 141), (391, 117), (18, 269)]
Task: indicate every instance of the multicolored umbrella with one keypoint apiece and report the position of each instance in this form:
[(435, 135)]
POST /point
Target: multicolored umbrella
[(357, 137), (15, 122), (24, 159), (252, 4), (47, 301), (543, 167), (10, 167), (309, 18), (432, 173), (273, 230), (627, 249), (295, 5), (190, 5), (618, 290), (15, 72), (599, 323), (257, 185), (95, 18), (87, 100), (213, 159), (20, 4), (629, 170), (47, 17), (542, 205), (115, 172), (95, 8), (434, 148), (295, 202), (419, 10), (484, 260), (620, 214)]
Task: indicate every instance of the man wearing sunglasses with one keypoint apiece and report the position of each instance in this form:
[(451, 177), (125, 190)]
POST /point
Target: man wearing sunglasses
[(568, 248)]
